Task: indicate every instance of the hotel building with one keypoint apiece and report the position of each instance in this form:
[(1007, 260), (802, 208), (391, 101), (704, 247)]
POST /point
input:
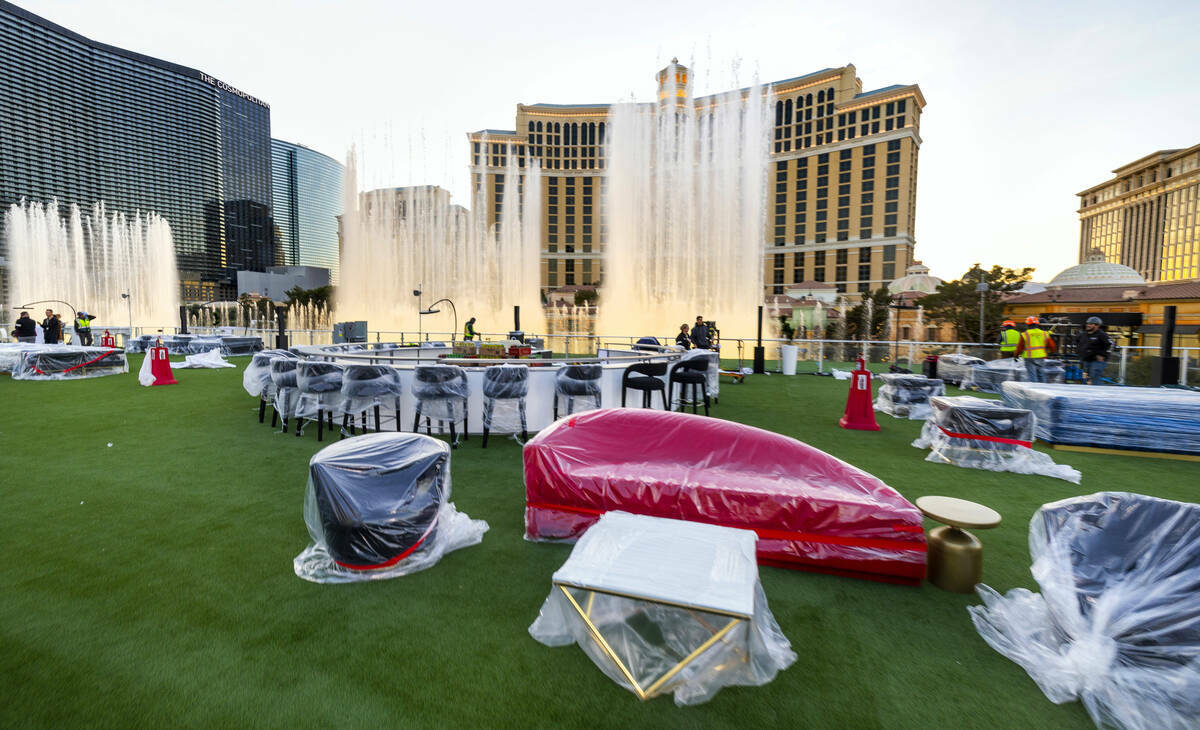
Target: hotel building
[(841, 200), (1146, 216)]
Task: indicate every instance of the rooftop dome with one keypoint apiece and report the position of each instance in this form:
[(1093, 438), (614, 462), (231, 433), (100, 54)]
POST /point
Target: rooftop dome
[(1095, 271), (916, 278)]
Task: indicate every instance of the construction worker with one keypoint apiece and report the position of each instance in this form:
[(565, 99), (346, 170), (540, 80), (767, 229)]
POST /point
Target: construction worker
[(1009, 337), (469, 330), (83, 328), (1035, 344)]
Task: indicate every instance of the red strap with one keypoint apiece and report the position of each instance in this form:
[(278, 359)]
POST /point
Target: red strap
[(769, 534), (37, 370), (997, 439), (394, 560)]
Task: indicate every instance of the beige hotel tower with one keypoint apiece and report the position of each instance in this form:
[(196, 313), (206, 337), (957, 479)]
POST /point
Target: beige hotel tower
[(841, 205)]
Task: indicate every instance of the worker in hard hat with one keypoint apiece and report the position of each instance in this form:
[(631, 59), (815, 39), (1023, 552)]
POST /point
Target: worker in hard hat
[(1093, 347), (1009, 337), (1035, 344)]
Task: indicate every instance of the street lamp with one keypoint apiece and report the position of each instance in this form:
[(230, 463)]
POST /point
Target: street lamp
[(431, 310), (129, 307), (417, 294), (982, 288), (898, 305)]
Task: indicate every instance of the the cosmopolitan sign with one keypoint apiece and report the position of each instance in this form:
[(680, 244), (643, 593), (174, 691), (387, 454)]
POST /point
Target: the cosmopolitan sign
[(226, 87)]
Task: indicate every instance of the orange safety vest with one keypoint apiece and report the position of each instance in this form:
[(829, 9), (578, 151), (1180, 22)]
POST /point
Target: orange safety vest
[(1035, 343)]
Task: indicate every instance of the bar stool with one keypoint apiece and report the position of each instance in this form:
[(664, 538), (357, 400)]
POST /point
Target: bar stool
[(504, 382), (646, 377), (445, 386), (283, 376), (367, 385), (576, 381), (713, 374), (693, 374), (256, 379), (321, 382)]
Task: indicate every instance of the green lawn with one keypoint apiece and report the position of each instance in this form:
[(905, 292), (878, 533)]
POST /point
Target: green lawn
[(150, 583)]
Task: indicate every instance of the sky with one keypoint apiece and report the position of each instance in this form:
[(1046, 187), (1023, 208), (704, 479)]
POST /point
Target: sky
[(1028, 102)]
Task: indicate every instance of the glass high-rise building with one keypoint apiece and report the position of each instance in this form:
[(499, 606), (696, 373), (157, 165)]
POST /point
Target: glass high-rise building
[(307, 202), (82, 122)]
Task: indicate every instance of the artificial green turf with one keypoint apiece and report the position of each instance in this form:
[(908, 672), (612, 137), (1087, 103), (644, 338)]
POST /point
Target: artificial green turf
[(150, 583)]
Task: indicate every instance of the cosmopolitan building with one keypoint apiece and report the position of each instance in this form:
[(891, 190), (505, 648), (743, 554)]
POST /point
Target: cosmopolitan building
[(1146, 216), (841, 204), (307, 196), (82, 122)]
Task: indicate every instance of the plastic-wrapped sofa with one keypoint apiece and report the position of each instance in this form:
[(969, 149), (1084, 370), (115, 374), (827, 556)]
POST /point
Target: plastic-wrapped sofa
[(68, 362), (907, 396), (1117, 622), (811, 510), (378, 506)]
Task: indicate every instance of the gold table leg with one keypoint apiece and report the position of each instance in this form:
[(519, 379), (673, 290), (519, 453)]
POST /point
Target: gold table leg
[(955, 559)]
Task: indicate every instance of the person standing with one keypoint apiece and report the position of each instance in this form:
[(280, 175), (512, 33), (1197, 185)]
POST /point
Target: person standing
[(51, 328), (83, 328), (1093, 347), (682, 339), (469, 330), (701, 337), (1009, 337), (1035, 344), (26, 329)]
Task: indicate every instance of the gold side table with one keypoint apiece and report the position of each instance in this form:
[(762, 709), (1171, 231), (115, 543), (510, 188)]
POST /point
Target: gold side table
[(955, 557)]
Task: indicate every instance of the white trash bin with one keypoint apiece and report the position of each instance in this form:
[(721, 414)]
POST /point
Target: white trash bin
[(788, 354)]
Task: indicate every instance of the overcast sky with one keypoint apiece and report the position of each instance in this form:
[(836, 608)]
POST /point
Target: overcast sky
[(1028, 102)]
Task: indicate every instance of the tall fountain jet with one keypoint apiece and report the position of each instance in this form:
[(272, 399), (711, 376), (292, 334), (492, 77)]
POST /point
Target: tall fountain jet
[(684, 208), (399, 240), (90, 260)]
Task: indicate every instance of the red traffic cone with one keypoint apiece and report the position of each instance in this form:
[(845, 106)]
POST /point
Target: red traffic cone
[(107, 340), (860, 413), (160, 367)]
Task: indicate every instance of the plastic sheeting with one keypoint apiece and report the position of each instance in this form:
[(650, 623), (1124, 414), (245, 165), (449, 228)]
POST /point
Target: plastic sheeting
[(986, 434), (505, 388), (811, 510), (1117, 624), (441, 391), (657, 590), (229, 345), (256, 378), (953, 368), (577, 388), (319, 387), (68, 362), (713, 374), (283, 381), (367, 386), (907, 396), (210, 359), (378, 506), (1145, 419), (988, 377)]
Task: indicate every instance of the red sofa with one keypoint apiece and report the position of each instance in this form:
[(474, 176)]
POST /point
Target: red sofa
[(811, 510)]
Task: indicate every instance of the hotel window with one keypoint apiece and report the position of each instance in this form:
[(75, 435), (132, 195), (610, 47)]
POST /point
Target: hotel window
[(819, 274), (840, 274), (841, 256), (894, 144), (864, 272), (819, 258), (889, 272)]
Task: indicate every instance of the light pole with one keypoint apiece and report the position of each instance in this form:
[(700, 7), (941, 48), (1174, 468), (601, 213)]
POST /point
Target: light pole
[(417, 294), (129, 308), (982, 288), (453, 310)]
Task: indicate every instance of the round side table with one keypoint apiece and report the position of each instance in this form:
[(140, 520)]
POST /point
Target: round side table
[(955, 557)]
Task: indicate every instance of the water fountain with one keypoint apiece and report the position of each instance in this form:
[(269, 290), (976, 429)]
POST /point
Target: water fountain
[(90, 260), (841, 329), (684, 209), (399, 240)]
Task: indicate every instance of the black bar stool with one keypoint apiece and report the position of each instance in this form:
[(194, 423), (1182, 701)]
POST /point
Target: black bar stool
[(576, 381), (693, 374), (646, 377), (319, 382), (283, 376), (438, 388), (504, 382), (365, 386)]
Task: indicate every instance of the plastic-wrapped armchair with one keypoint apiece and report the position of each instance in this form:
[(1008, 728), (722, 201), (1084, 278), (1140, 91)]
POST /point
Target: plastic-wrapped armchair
[(691, 374), (366, 386), (647, 378), (319, 384), (576, 381), (441, 391), (504, 383), (283, 378)]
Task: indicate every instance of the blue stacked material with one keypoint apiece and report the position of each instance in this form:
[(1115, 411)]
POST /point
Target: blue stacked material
[(1142, 419)]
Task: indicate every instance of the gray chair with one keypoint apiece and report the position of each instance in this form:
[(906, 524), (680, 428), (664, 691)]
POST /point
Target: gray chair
[(576, 381), (504, 382), (441, 389), (321, 381)]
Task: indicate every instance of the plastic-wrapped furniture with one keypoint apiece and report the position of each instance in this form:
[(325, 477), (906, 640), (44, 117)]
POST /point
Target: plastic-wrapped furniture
[(504, 383), (1139, 419), (256, 378), (810, 510), (368, 386), (689, 375), (666, 606), (576, 381), (441, 391), (283, 378), (712, 381), (953, 368), (907, 396), (646, 377), (378, 506), (1117, 622), (68, 362), (987, 377), (319, 384), (986, 434)]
